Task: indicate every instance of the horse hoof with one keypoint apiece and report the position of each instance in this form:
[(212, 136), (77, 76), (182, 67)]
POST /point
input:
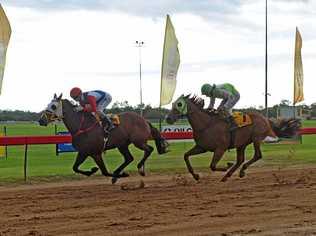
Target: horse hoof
[(94, 169), (141, 171), (124, 174), (196, 177), (224, 179), (242, 174), (114, 180), (229, 164)]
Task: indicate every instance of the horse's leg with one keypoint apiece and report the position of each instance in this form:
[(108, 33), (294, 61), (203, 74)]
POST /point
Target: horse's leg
[(255, 158), (147, 151), (218, 153), (79, 160), (194, 151), (99, 161), (240, 160), (128, 158)]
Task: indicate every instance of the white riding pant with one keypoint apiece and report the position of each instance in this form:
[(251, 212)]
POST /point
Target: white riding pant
[(229, 103), (101, 106)]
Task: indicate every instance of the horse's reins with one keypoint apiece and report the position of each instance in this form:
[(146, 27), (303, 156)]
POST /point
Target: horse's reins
[(80, 130), (49, 116), (204, 128)]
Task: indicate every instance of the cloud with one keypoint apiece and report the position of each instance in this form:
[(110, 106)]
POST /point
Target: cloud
[(293, 1), (137, 7), (224, 13), (205, 8), (55, 47)]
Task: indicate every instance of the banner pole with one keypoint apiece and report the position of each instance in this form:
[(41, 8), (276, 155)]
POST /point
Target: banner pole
[(6, 147), (160, 118)]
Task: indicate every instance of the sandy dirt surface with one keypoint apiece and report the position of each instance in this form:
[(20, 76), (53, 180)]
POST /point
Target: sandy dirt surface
[(265, 202)]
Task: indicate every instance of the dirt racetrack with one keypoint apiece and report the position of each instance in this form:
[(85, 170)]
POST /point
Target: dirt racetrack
[(265, 202)]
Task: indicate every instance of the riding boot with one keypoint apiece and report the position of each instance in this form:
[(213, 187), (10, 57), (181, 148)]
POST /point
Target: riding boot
[(106, 121), (232, 123)]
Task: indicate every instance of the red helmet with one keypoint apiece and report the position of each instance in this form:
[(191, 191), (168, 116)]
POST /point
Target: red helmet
[(75, 92)]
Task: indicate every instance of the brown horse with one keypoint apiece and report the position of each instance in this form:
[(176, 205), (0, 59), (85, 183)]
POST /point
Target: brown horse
[(88, 136), (211, 133)]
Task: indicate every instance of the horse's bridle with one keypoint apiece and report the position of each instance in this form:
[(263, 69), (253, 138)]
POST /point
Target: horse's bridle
[(51, 116)]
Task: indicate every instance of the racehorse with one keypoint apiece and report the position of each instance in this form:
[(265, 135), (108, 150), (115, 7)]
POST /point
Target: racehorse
[(88, 137), (211, 133)]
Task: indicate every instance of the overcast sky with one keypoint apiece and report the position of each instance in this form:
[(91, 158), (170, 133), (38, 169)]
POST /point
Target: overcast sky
[(58, 44)]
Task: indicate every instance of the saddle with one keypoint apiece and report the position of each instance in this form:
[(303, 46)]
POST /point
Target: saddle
[(236, 121), (115, 120), (241, 119)]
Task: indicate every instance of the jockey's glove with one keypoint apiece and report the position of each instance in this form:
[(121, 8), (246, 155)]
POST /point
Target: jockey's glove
[(78, 108)]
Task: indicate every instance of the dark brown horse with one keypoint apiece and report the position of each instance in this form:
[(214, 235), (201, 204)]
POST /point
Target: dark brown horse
[(211, 133), (88, 136)]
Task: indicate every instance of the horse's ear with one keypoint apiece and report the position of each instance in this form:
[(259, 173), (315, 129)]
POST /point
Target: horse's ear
[(59, 98), (55, 96)]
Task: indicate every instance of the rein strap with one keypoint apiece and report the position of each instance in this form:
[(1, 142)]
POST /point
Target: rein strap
[(80, 130)]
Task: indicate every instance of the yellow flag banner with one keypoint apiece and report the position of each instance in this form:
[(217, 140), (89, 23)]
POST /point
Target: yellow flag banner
[(298, 70), (170, 64), (5, 33)]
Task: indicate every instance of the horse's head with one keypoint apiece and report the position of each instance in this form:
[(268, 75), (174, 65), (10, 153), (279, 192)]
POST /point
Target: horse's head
[(53, 111), (179, 109)]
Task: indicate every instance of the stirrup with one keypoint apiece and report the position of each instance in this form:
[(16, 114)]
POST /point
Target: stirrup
[(233, 127), (109, 127)]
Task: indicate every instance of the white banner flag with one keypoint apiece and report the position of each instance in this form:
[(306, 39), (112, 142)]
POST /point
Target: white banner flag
[(5, 33), (170, 64), (298, 70)]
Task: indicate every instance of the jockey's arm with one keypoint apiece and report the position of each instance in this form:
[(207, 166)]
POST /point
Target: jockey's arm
[(92, 104)]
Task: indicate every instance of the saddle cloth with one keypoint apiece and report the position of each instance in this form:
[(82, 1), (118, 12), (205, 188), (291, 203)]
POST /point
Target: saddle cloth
[(242, 119)]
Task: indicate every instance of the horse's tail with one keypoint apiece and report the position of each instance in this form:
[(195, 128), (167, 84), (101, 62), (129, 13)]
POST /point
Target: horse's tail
[(160, 142), (285, 128)]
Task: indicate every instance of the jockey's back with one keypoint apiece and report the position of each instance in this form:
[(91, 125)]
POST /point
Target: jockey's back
[(98, 94), (228, 88)]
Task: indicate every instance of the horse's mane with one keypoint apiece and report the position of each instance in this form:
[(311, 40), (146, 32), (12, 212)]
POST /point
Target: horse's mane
[(199, 102), (87, 115), (196, 100), (68, 102)]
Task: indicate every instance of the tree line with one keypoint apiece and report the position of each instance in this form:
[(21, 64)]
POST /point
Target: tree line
[(149, 112)]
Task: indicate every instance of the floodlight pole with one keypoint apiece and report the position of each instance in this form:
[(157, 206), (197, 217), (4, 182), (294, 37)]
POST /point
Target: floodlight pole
[(139, 44), (266, 65)]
